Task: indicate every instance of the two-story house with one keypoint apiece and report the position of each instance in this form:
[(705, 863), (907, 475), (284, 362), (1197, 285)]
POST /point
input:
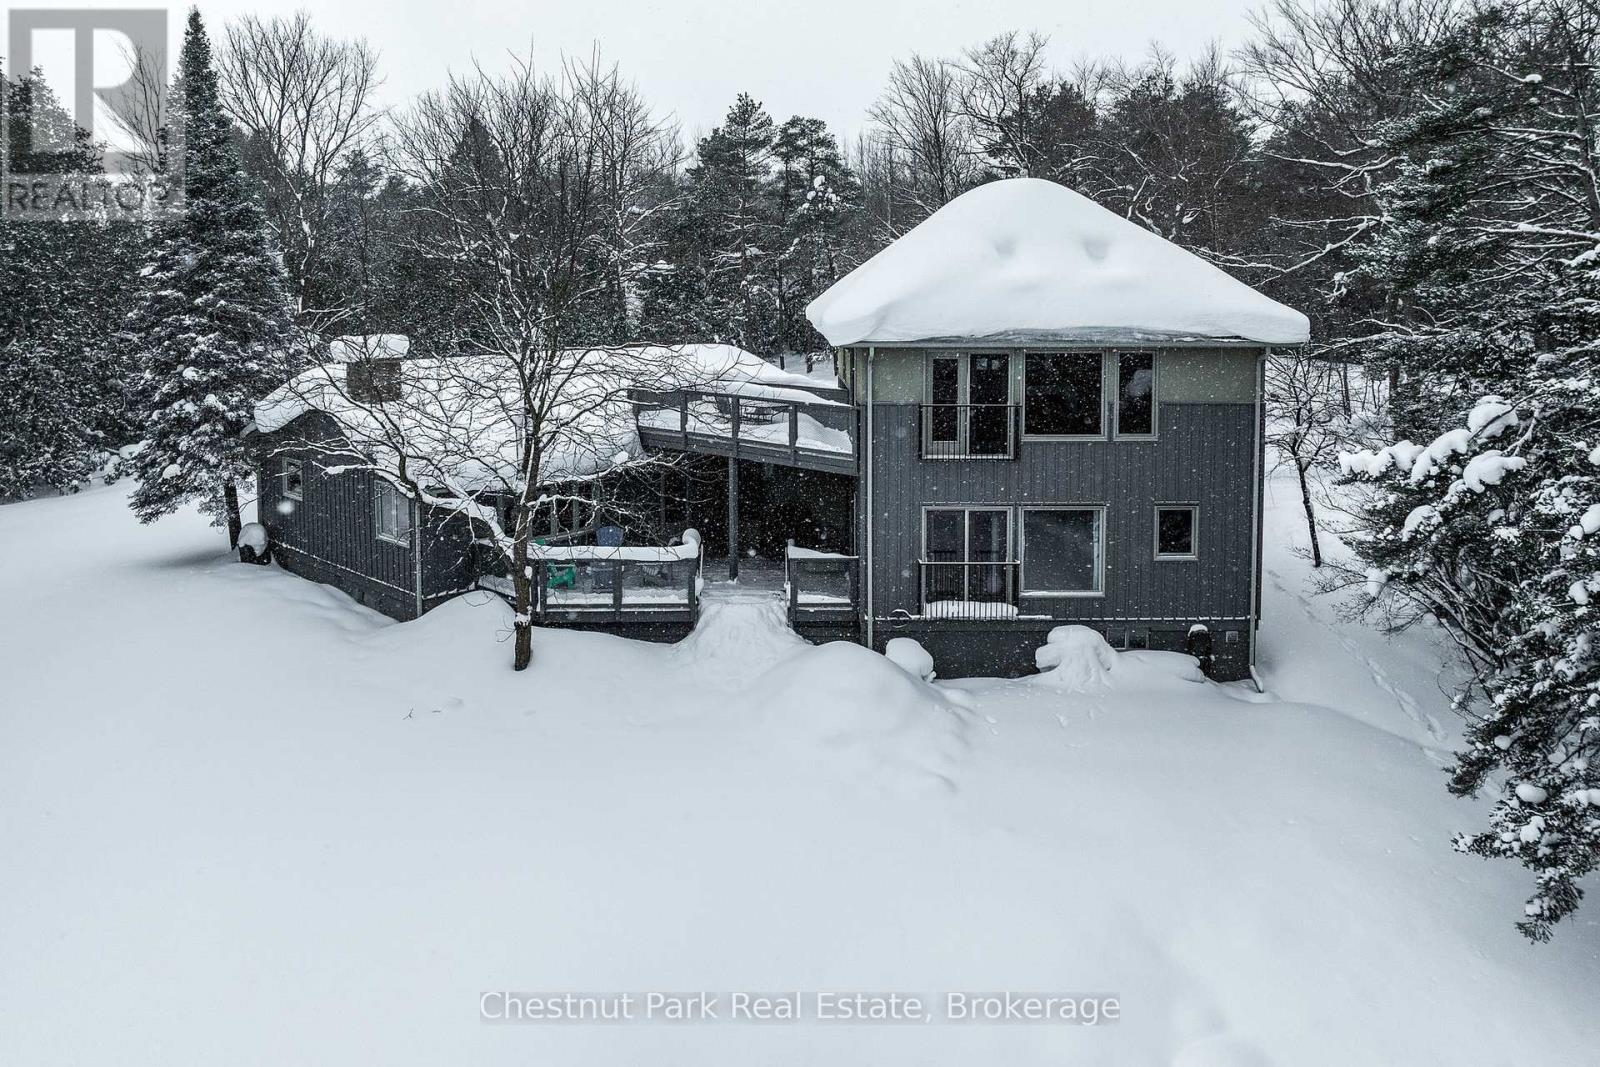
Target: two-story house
[(1061, 420)]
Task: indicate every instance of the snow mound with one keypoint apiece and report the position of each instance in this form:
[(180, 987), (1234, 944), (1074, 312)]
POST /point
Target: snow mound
[(733, 642), (1075, 657), (845, 705), (1029, 259), (253, 535), (909, 655)]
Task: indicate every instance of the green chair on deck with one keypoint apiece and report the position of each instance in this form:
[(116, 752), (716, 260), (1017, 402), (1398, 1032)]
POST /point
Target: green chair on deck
[(563, 577)]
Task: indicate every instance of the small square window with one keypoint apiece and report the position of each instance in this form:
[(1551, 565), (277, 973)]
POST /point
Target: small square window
[(1138, 639), (1177, 535), (294, 479)]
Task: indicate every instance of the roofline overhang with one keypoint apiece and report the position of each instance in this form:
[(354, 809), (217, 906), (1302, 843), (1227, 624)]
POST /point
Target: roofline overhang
[(1042, 341)]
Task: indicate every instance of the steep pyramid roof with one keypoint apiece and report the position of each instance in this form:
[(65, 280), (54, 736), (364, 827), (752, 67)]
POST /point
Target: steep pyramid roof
[(1028, 260)]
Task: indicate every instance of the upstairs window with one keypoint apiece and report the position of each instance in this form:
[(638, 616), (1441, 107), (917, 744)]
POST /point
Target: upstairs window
[(294, 479), (1177, 532), (1062, 394), (393, 510), (969, 414), (1136, 394)]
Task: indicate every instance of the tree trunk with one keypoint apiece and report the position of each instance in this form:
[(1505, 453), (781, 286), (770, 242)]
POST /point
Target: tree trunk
[(522, 653), (1311, 515), (230, 505)]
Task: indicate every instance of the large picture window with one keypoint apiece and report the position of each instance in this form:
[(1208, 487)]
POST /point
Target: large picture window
[(1136, 394), (1063, 394), (393, 514), (1063, 550)]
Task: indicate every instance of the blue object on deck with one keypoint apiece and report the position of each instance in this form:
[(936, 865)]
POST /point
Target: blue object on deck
[(605, 537)]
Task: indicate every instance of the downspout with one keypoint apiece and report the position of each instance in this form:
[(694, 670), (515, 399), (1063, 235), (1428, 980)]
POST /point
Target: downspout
[(867, 560), (1256, 515), (416, 552)]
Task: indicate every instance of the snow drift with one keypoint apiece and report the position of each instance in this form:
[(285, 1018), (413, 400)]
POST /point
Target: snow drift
[(1027, 259)]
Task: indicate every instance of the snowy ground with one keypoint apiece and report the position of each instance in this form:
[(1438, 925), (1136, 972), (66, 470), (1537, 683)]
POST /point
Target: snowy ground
[(244, 821)]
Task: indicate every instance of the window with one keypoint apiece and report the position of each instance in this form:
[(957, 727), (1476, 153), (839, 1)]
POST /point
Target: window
[(393, 510), (1063, 551), (1062, 394), (967, 556), (969, 409), (1176, 532), (294, 479), (1136, 394)]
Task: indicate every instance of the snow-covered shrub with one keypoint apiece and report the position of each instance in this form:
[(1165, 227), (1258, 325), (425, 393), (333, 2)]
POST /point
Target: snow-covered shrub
[(909, 655), (1075, 657), (1495, 544)]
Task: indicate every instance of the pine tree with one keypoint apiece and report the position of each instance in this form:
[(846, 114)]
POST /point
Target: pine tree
[(732, 212), (213, 323), (816, 199), (1485, 518)]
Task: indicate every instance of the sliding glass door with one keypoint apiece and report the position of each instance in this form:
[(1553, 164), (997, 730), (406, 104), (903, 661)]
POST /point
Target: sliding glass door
[(967, 555)]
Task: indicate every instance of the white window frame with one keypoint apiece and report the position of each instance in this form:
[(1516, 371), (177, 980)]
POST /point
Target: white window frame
[(962, 446), (380, 488), (1106, 417), (1011, 559), (966, 531), (284, 464), (1114, 375), (1099, 589), (1194, 534)]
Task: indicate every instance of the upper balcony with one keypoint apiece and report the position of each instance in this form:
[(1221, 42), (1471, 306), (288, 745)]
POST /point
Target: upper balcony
[(789, 427)]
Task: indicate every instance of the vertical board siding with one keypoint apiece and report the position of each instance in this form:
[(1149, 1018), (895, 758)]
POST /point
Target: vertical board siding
[(336, 522), (1204, 456)]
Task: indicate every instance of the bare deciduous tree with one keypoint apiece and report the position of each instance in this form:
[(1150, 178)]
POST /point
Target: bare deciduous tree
[(522, 181), (1000, 93), (919, 119), (305, 101)]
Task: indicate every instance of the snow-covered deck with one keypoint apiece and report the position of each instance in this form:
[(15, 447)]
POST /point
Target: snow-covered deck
[(789, 427)]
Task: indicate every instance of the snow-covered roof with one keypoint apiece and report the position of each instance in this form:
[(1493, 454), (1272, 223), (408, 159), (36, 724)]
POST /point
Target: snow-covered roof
[(1028, 260), (458, 420)]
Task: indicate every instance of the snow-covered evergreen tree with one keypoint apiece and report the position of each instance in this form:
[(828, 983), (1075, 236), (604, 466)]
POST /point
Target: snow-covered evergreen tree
[(815, 198), (1484, 517), (213, 324), (729, 203), (65, 371)]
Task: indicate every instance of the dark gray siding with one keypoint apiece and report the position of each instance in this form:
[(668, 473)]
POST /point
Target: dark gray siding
[(331, 534), (1205, 455), (449, 562)]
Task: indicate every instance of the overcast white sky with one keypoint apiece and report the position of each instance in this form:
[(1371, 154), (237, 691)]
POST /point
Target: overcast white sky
[(827, 58)]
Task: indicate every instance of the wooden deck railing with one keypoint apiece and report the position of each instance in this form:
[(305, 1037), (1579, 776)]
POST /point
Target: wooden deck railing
[(822, 588)]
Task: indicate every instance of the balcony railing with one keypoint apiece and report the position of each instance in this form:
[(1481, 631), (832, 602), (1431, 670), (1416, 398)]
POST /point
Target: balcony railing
[(969, 589), (970, 431), (822, 587), (792, 426), (589, 587)]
